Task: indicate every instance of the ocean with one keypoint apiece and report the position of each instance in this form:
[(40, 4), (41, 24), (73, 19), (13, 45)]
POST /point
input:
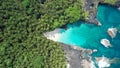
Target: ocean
[(88, 36)]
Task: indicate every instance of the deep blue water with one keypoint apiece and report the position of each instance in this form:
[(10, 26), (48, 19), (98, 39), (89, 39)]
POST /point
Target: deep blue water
[(89, 35)]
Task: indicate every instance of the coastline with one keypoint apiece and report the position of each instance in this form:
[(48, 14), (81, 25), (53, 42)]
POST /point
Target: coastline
[(75, 55)]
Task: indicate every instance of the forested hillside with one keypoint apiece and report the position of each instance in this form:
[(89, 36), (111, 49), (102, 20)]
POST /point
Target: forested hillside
[(22, 24)]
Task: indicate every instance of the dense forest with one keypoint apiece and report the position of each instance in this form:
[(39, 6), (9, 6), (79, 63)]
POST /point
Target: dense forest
[(22, 24)]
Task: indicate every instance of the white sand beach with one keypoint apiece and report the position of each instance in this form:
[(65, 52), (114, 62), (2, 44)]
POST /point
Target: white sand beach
[(53, 35)]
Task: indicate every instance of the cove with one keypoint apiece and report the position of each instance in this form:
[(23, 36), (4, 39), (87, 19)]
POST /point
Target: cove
[(88, 36)]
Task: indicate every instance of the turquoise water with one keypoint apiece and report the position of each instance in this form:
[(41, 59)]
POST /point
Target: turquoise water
[(89, 35)]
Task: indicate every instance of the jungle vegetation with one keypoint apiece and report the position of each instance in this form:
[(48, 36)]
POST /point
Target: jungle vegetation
[(22, 24), (110, 1)]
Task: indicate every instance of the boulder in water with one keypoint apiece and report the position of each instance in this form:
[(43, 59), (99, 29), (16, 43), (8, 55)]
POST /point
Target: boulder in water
[(94, 50), (105, 42), (112, 32)]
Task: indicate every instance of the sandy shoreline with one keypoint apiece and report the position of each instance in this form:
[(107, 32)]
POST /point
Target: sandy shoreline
[(76, 56), (53, 35)]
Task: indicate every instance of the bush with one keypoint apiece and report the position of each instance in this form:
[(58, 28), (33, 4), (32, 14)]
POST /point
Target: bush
[(110, 1)]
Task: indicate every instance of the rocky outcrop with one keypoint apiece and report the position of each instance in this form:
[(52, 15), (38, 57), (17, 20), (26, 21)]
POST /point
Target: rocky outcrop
[(87, 64), (77, 57), (112, 32), (105, 42), (102, 62)]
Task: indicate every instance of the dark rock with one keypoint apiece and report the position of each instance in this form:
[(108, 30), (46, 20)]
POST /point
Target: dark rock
[(75, 55)]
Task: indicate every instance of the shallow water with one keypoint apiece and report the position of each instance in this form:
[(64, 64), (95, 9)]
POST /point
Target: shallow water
[(89, 35)]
